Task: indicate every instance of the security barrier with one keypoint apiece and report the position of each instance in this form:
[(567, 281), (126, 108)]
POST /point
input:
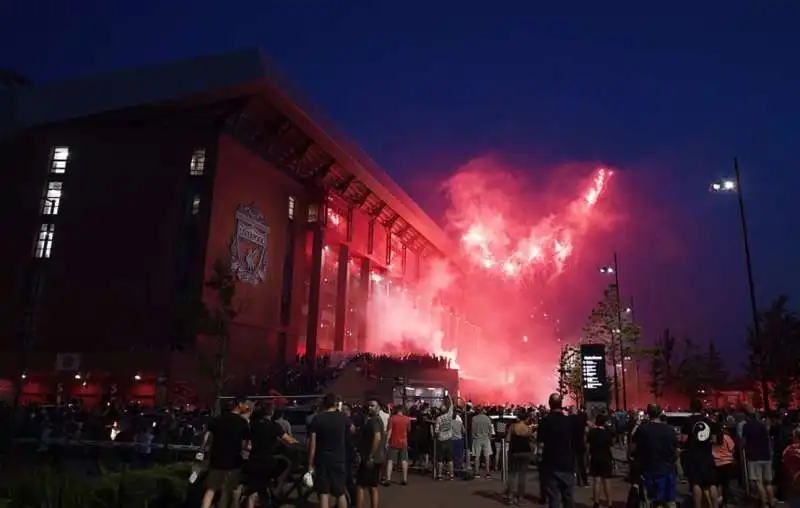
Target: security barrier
[(60, 441), (745, 473)]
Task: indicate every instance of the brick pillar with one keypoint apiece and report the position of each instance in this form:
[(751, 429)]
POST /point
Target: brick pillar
[(341, 298), (363, 298), (313, 295)]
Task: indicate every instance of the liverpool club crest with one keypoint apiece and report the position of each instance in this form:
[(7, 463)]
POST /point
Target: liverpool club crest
[(249, 245)]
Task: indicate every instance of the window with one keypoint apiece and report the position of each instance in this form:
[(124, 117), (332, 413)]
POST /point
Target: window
[(291, 207), (198, 164), (44, 243), (313, 213), (52, 198), (196, 204), (59, 159)]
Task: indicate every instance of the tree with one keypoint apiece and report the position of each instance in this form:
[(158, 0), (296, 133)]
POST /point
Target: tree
[(657, 372), (714, 369), (700, 370), (570, 380), (689, 370), (666, 348), (215, 323), (775, 359), (610, 323)]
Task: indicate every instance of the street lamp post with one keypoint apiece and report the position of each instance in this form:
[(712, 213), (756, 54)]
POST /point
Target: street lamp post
[(614, 270), (735, 185)]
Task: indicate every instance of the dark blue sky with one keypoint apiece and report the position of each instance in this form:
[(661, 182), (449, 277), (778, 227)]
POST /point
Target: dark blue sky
[(668, 95)]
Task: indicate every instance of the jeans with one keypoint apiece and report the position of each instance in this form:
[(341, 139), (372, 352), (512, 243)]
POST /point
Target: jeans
[(517, 474), (560, 489)]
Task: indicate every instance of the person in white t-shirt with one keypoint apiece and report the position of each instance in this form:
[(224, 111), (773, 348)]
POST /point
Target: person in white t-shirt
[(384, 416)]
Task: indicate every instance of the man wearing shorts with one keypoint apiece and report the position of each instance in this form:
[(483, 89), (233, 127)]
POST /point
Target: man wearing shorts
[(443, 429), (372, 450), (697, 458), (482, 432), (228, 435), (327, 453), (654, 446), (397, 437), (758, 451)]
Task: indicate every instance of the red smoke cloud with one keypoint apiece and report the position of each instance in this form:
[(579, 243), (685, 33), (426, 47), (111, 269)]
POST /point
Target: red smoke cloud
[(515, 245)]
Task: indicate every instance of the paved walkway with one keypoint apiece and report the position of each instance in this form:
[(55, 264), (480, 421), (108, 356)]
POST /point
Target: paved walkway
[(423, 492)]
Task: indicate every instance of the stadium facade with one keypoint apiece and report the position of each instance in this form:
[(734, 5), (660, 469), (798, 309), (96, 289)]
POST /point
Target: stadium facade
[(122, 191)]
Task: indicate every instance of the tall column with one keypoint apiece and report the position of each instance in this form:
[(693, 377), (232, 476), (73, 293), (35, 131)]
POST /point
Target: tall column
[(313, 295), (341, 298), (363, 299)]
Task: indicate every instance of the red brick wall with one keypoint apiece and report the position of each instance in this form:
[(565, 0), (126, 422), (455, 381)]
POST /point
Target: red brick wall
[(22, 164), (110, 281), (244, 178)]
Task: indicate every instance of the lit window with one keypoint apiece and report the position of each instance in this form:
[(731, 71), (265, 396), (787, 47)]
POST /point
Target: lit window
[(198, 164), (44, 243), (59, 159), (291, 207), (313, 213), (52, 198), (196, 204)]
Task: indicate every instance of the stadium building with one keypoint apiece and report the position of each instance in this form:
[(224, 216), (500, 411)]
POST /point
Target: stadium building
[(122, 191)]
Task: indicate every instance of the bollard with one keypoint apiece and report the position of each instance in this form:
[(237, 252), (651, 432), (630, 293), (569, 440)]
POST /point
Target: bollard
[(745, 474), (503, 461), (467, 449), (435, 454)]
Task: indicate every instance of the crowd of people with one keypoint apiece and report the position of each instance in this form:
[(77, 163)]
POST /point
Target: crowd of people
[(353, 451), (303, 377)]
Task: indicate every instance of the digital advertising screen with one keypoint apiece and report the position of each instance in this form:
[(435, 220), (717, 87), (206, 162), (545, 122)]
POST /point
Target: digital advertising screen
[(593, 373)]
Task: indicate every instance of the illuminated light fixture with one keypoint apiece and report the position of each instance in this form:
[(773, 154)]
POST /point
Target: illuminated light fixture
[(77, 375), (724, 185), (137, 377), (524, 338), (375, 277), (333, 217), (24, 375), (628, 310), (84, 383), (607, 270)]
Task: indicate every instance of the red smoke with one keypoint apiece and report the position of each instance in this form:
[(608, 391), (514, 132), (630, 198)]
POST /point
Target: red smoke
[(514, 245)]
